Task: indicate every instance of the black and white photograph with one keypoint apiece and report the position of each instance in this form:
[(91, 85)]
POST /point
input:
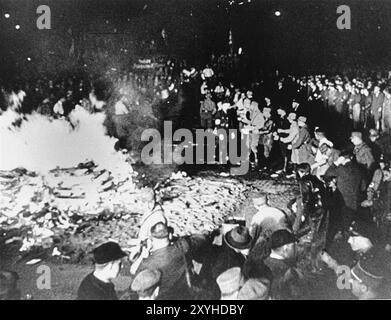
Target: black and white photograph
[(195, 150)]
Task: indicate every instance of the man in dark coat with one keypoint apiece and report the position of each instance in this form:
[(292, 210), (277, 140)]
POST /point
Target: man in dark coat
[(363, 154), (376, 105), (98, 285), (350, 181), (288, 282), (170, 259), (233, 251), (334, 204)]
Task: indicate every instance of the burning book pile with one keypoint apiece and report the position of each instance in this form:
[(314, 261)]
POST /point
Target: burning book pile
[(65, 175), (64, 200), (193, 205)]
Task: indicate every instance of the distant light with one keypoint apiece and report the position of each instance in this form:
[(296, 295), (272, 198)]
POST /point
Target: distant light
[(277, 13), (240, 51), (17, 27), (7, 15), (28, 59)]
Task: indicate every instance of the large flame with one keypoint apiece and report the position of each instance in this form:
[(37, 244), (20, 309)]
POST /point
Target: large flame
[(41, 144)]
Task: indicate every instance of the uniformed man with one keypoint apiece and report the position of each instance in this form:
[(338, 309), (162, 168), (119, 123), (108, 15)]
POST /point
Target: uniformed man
[(207, 111)]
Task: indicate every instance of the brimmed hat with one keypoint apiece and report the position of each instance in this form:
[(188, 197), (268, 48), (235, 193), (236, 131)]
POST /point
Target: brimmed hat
[(107, 252), (281, 237), (367, 273), (145, 280), (238, 238), (254, 289), (229, 281)]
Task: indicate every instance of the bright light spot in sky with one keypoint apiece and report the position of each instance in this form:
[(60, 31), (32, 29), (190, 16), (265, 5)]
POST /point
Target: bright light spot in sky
[(17, 27), (277, 13), (7, 15)]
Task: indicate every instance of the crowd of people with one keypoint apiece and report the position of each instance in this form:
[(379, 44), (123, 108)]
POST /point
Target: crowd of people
[(333, 133), (343, 208)]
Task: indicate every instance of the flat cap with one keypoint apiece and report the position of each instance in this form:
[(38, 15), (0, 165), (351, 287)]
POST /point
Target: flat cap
[(145, 280)]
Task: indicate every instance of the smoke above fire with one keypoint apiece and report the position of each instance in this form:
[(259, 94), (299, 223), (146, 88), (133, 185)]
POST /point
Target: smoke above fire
[(41, 144)]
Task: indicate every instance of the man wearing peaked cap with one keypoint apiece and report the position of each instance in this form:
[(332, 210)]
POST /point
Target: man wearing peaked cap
[(301, 148), (366, 280), (146, 284), (98, 285)]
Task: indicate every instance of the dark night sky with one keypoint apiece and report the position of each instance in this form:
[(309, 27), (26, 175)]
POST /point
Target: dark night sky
[(304, 35)]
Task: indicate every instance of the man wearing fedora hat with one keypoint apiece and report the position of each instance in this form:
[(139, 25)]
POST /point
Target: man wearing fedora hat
[(232, 252), (287, 280), (98, 285)]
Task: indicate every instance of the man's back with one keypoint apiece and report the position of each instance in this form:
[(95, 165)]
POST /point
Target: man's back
[(269, 219), (171, 262), (91, 288), (350, 181), (377, 102), (286, 284)]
